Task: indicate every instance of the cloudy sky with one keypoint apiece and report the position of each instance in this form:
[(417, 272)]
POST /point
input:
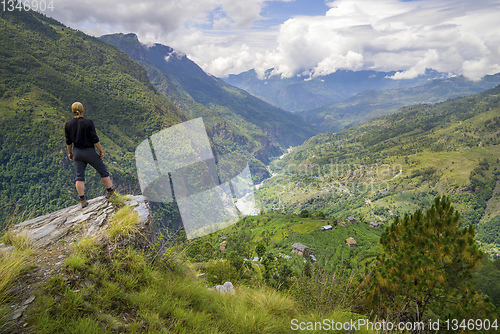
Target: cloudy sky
[(307, 37)]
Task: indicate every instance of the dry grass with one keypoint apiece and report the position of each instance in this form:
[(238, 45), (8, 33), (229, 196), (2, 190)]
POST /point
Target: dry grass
[(12, 264), (20, 241), (123, 223)]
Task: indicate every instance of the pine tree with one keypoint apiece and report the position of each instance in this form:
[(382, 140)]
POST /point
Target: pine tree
[(426, 267)]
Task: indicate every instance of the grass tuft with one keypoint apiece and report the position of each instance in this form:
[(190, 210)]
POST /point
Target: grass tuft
[(118, 200), (88, 246), (123, 223), (12, 265), (20, 241), (76, 261)]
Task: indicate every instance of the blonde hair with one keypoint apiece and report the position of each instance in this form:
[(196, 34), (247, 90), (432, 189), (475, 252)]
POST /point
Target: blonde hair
[(77, 109)]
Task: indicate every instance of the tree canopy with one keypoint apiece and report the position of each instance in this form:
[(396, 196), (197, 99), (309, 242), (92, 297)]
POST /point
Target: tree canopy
[(426, 267)]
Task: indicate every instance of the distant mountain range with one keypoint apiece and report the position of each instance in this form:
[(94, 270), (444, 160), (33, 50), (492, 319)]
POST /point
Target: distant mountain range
[(346, 98), (374, 103), (303, 93)]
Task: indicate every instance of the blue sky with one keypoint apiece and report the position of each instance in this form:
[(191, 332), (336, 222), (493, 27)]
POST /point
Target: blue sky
[(278, 12), (307, 37)]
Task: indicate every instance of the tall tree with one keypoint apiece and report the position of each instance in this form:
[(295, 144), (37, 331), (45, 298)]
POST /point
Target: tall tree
[(426, 267)]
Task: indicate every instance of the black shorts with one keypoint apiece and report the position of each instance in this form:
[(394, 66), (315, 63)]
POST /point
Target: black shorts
[(84, 156)]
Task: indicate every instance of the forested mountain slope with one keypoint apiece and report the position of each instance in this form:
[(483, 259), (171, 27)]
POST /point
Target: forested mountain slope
[(44, 68)]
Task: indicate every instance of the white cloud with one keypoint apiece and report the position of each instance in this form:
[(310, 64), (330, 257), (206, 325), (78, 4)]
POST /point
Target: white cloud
[(155, 17), (351, 60), (430, 60), (458, 37)]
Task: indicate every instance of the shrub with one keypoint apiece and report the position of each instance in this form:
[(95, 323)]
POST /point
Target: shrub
[(236, 261), (305, 214), (219, 272)]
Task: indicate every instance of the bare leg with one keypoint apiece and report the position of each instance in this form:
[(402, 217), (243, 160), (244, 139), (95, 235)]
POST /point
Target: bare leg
[(80, 187), (107, 181)]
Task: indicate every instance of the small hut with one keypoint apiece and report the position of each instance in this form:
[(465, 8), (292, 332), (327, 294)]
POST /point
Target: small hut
[(351, 242), (300, 249)]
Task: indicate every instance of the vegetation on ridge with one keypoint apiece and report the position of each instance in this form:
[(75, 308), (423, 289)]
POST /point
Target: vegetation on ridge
[(426, 267), (44, 68), (112, 288)]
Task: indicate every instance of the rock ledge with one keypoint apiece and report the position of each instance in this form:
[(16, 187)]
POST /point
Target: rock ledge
[(52, 236)]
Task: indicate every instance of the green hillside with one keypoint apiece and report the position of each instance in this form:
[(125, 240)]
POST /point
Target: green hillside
[(343, 277), (371, 104), (44, 68), (111, 282), (398, 163)]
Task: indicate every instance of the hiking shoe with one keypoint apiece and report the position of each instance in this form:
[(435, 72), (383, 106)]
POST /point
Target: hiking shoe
[(110, 193), (83, 202)]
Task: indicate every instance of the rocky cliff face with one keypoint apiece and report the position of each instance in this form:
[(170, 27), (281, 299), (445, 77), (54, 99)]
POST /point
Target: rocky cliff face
[(52, 236), (66, 225)]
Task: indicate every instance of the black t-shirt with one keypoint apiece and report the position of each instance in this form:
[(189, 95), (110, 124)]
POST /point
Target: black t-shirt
[(80, 132)]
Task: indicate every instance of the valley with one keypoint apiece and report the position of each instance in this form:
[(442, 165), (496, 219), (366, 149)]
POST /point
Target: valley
[(396, 164)]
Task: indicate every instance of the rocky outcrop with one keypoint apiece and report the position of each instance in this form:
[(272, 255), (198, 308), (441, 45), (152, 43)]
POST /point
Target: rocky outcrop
[(52, 236), (65, 225)]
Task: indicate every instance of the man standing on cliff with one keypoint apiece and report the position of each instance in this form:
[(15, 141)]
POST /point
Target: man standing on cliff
[(80, 133)]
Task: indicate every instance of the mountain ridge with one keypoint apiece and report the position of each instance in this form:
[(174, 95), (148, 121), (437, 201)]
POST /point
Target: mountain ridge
[(374, 103), (225, 107), (304, 93)]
